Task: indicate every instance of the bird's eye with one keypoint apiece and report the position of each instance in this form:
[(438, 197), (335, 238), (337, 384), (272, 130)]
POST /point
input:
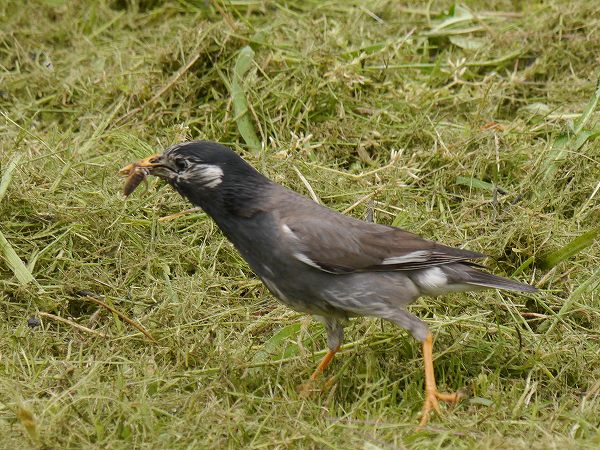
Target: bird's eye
[(181, 164)]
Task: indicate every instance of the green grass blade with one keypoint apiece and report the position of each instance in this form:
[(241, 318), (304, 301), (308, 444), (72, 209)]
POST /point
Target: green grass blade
[(12, 259), (561, 147), (575, 246), (475, 183), (565, 143), (523, 266), (589, 110), (14, 262), (240, 103), (456, 14), (588, 285), (7, 175), (275, 347)]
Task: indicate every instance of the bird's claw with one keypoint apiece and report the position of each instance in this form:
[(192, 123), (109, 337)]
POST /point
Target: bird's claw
[(310, 387), (329, 383), (307, 389), (432, 399)]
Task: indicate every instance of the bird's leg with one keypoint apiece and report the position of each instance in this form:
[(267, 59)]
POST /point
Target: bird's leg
[(308, 387), (323, 364), (432, 395), (335, 336)]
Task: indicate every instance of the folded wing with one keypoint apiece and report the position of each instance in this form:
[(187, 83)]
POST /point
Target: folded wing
[(339, 244)]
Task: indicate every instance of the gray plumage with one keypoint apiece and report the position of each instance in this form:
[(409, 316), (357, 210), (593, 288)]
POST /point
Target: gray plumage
[(312, 258)]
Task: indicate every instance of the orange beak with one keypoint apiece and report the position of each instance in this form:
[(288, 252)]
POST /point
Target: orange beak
[(146, 162)]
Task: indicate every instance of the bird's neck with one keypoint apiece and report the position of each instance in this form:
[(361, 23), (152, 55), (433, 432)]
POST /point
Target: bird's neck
[(241, 198), (232, 209)]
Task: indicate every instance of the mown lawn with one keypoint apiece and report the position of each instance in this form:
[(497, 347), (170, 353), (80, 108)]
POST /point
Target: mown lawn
[(471, 124)]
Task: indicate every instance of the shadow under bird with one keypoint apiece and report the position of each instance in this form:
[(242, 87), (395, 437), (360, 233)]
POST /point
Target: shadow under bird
[(315, 260)]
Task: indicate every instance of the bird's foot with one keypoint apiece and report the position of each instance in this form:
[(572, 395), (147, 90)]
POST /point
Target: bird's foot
[(432, 399), (307, 389), (329, 383), (311, 387)]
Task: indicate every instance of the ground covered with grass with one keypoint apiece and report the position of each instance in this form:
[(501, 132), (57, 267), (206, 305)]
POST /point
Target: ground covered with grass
[(125, 325)]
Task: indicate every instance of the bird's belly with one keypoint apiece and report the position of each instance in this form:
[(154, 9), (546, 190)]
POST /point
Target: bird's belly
[(301, 300), (371, 293), (344, 295)]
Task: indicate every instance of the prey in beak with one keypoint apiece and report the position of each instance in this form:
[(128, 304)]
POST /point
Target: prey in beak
[(137, 172)]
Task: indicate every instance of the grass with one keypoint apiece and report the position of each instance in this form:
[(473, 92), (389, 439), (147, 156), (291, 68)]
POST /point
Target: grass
[(487, 115)]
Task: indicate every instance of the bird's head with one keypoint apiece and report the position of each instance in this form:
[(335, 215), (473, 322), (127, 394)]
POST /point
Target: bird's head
[(199, 170), (203, 165)]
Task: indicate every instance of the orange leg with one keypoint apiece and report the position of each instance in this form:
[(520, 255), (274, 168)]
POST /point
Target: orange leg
[(431, 393), (307, 387), (323, 364)]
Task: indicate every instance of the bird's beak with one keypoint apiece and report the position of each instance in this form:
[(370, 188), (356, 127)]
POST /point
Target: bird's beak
[(147, 163), (152, 165)]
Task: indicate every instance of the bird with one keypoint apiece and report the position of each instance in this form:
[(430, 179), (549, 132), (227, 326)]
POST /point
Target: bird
[(316, 260)]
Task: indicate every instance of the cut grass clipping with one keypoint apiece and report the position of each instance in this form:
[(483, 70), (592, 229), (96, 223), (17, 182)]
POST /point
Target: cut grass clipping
[(135, 324)]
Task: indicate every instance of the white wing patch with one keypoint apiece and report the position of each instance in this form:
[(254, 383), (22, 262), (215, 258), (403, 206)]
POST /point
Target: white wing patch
[(432, 279), (306, 260), (287, 230), (418, 256)]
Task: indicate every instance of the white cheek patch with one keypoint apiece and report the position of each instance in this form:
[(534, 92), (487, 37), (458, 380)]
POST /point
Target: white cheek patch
[(208, 175)]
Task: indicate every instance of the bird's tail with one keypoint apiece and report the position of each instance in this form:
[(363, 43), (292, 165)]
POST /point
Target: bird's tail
[(478, 278)]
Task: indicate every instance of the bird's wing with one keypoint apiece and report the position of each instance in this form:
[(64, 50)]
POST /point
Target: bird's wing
[(329, 241)]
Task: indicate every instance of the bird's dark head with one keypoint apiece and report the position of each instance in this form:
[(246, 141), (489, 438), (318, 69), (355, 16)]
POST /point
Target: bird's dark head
[(201, 164), (201, 171)]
